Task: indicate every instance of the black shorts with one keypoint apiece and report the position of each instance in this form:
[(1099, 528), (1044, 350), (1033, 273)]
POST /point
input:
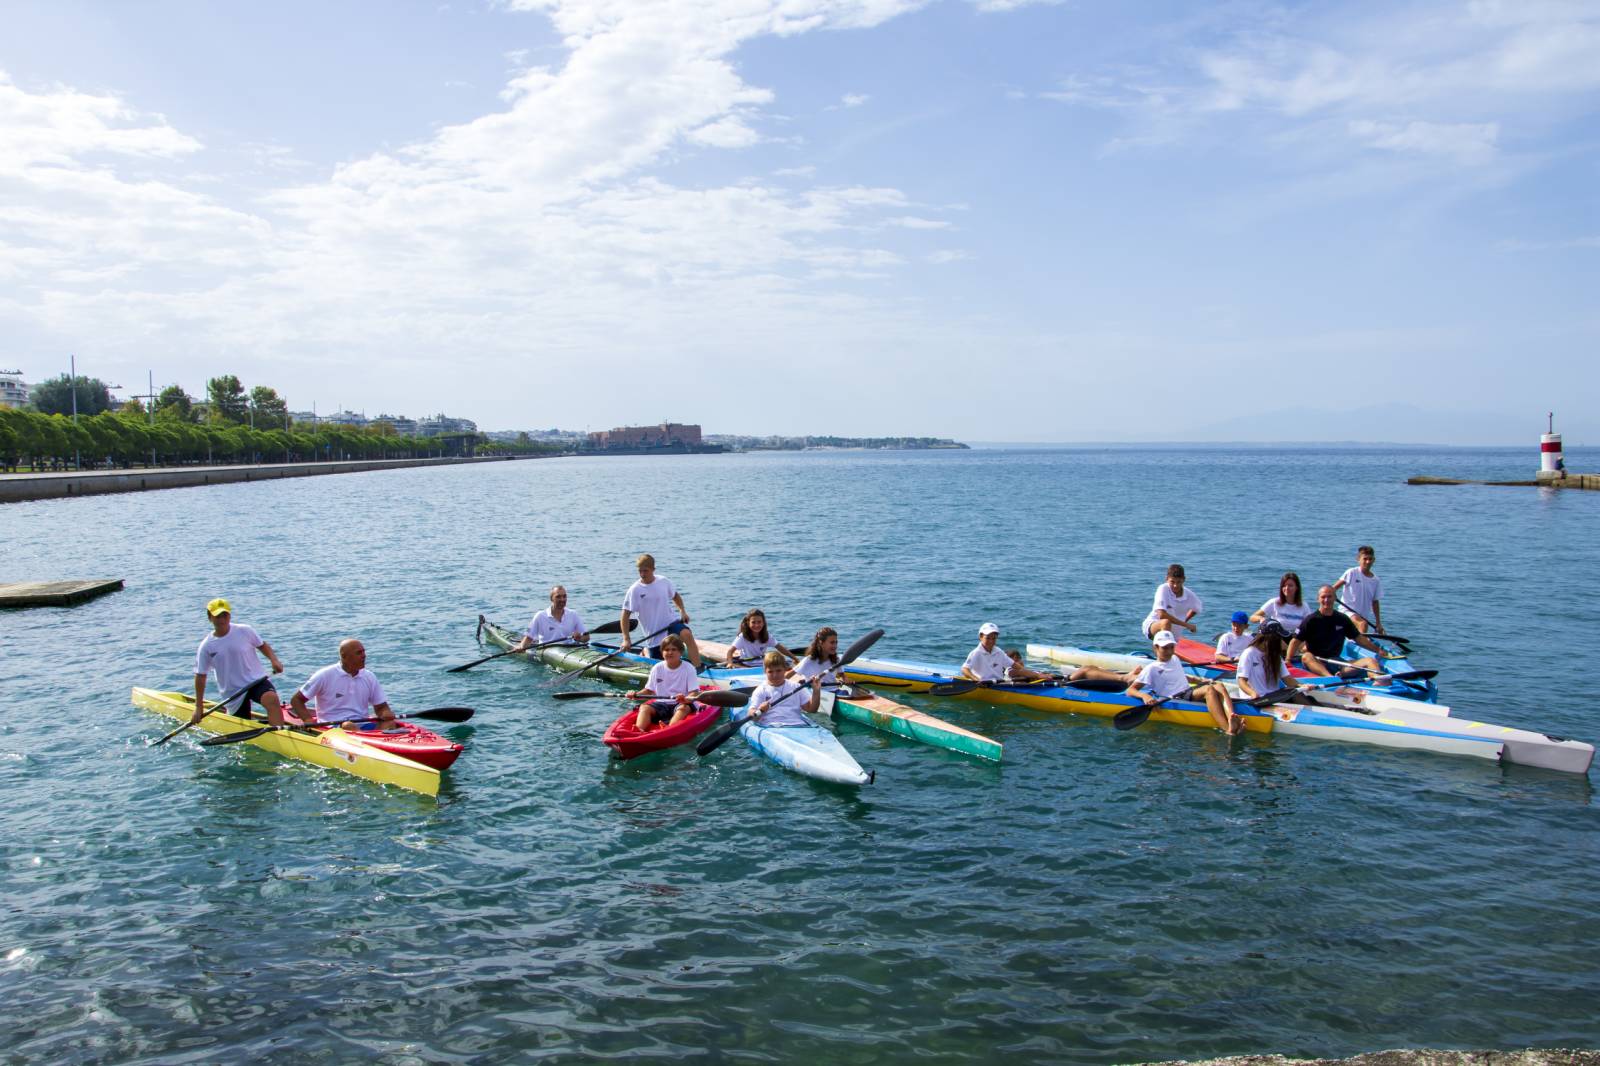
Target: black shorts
[(663, 710), (240, 707)]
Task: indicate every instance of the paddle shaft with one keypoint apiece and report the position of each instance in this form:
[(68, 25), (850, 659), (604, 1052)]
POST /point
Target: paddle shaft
[(219, 705), (604, 627), (430, 714), (719, 735), (580, 671)]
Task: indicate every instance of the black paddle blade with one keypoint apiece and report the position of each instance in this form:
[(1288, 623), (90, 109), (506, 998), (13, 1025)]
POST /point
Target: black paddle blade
[(1415, 675), (1133, 717), (724, 698), (715, 739), (584, 696), (859, 648), (953, 688), (1275, 696), (443, 714), (234, 738), (615, 627)]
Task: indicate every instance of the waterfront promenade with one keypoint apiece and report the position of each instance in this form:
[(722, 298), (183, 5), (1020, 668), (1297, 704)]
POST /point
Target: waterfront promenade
[(15, 488)]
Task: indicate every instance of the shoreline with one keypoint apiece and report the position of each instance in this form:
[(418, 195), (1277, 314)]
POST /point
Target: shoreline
[(25, 487)]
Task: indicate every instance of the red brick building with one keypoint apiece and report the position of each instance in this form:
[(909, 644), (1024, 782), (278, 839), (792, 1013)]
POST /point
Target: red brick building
[(666, 434)]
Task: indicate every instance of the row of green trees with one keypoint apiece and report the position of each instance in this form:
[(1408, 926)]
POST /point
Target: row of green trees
[(33, 440), (226, 403)]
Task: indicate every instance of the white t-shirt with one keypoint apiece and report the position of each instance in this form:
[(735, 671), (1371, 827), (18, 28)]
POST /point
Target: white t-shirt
[(545, 627), (1288, 615), (1360, 591), (233, 656), (1177, 606), (750, 650), (988, 665), (807, 668), (340, 697), (787, 713), (1163, 679), (1231, 643), (665, 681), (1253, 668), (652, 605)]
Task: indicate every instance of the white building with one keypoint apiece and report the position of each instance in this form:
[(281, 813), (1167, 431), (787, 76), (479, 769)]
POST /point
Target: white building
[(405, 427), (442, 425), (345, 418), (13, 390)]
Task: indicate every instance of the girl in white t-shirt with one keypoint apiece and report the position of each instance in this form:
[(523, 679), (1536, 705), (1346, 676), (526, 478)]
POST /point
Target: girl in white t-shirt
[(753, 641), (671, 678), (1287, 608), (1263, 667), (821, 658)]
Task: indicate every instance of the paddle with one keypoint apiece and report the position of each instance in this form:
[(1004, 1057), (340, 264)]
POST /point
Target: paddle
[(1133, 717), (713, 697), (962, 685), (719, 735), (572, 674), (433, 714), (1369, 634), (210, 710), (604, 627)]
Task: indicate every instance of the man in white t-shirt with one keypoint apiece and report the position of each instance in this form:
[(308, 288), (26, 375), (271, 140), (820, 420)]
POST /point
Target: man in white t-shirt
[(1362, 591), (343, 692), (554, 624), (1164, 679), (653, 598), (1174, 608), (1233, 643), (230, 651)]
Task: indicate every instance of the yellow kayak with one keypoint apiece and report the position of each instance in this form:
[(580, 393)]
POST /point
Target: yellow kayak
[(333, 748)]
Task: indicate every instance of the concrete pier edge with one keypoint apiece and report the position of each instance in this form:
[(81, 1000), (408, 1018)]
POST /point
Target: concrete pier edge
[(17, 488)]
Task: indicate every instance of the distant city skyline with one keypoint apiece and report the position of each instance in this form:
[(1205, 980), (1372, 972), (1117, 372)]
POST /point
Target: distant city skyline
[(978, 219)]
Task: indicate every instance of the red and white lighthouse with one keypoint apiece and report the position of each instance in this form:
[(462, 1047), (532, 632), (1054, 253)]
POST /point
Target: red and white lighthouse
[(1551, 463)]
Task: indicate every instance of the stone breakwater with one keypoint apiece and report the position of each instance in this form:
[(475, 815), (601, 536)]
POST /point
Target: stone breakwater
[(15, 488)]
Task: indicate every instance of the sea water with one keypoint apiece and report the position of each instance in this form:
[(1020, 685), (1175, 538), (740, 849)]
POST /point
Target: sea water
[(1099, 897)]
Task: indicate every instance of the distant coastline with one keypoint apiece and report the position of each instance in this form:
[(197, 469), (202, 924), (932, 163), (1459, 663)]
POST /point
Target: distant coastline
[(801, 444)]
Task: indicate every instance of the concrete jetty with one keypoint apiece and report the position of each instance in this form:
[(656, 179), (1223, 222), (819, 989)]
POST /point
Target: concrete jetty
[(18, 487), (1569, 481), (54, 593)]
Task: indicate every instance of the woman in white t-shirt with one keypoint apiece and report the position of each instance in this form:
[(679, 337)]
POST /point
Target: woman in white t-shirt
[(753, 641), (1287, 608)]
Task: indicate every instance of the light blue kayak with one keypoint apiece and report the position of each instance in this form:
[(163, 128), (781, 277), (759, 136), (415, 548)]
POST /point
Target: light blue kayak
[(806, 749)]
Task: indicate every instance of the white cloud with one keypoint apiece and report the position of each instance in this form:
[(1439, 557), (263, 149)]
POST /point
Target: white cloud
[(947, 255), (913, 222), (853, 99), (1465, 141)]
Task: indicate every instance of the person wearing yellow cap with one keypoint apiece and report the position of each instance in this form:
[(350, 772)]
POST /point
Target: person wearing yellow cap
[(230, 651)]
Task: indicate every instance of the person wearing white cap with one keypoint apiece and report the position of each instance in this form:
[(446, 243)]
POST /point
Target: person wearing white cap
[(987, 662), (1165, 678), (229, 651)]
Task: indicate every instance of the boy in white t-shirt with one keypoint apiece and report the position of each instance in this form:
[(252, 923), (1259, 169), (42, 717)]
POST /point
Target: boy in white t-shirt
[(776, 702), (1233, 643), (653, 598), (1174, 607), (673, 679), (1165, 678), (1362, 591)]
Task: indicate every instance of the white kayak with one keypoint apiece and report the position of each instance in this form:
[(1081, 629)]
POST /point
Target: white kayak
[(806, 749), (1328, 697)]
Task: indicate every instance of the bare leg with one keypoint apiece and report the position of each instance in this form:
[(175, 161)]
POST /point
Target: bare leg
[(690, 648), (274, 708), (1314, 665), (645, 718)]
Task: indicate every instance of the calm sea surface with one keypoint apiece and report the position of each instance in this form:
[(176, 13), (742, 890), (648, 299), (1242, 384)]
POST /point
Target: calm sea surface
[(1100, 897)]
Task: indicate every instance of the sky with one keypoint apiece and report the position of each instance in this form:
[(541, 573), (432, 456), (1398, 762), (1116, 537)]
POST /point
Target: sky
[(1115, 220)]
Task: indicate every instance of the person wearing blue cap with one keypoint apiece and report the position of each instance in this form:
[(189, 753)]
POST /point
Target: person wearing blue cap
[(1233, 643)]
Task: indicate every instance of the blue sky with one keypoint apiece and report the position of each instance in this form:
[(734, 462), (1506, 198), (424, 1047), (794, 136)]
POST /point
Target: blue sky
[(992, 220)]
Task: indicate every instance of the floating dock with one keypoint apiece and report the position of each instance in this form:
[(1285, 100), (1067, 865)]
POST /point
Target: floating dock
[(54, 593)]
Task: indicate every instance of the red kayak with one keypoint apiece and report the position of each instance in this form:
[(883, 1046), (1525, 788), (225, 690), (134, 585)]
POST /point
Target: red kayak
[(1197, 654), (405, 739), (625, 739)]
